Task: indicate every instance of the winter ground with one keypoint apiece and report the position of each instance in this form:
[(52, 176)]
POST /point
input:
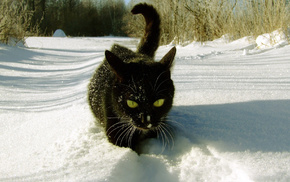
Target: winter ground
[(232, 102)]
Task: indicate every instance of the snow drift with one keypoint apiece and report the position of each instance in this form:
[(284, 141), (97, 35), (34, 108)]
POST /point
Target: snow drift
[(59, 33), (276, 38), (232, 111)]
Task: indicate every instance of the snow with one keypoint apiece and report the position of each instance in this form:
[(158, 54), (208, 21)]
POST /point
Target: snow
[(276, 38), (232, 107), (59, 33)]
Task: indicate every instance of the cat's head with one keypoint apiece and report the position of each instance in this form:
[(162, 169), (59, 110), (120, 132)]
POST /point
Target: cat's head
[(143, 90)]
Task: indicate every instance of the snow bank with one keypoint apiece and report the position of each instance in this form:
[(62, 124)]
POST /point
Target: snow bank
[(274, 39), (231, 111), (59, 33)]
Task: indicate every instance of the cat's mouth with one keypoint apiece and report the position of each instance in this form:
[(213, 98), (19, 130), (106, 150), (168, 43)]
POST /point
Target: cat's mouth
[(144, 127), (143, 123), (148, 127)]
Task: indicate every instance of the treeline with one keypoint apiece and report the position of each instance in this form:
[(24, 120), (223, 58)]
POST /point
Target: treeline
[(19, 18), (78, 17), (15, 20), (182, 20), (203, 20)]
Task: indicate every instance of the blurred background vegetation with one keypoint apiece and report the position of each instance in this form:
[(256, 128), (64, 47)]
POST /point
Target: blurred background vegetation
[(182, 20)]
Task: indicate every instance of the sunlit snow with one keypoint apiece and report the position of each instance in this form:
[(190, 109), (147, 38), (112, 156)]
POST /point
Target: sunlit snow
[(232, 104)]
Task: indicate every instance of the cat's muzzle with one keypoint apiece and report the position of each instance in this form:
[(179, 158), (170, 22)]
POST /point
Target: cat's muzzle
[(144, 122)]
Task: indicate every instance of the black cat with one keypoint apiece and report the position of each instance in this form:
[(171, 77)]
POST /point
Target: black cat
[(130, 94)]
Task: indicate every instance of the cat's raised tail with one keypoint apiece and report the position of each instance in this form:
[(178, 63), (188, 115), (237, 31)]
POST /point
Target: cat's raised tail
[(150, 41)]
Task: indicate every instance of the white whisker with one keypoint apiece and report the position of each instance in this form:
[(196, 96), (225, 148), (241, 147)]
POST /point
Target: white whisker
[(134, 84), (161, 84), (160, 133), (114, 128), (123, 134), (167, 131), (160, 91), (174, 123), (131, 135), (154, 88), (128, 87)]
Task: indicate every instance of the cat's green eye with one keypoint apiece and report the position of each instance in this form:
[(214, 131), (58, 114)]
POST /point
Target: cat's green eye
[(132, 104), (158, 103)]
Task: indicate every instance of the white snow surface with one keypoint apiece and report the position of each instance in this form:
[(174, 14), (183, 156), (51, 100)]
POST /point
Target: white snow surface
[(276, 39), (232, 104), (59, 33)]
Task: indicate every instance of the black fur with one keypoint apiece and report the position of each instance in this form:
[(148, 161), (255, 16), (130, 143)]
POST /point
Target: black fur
[(126, 76)]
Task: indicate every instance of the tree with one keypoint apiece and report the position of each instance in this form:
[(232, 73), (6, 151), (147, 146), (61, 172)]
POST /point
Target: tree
[(15, 20)]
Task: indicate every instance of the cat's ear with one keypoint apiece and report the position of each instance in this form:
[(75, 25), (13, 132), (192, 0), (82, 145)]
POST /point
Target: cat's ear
[(168, 59), (116, 63)]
